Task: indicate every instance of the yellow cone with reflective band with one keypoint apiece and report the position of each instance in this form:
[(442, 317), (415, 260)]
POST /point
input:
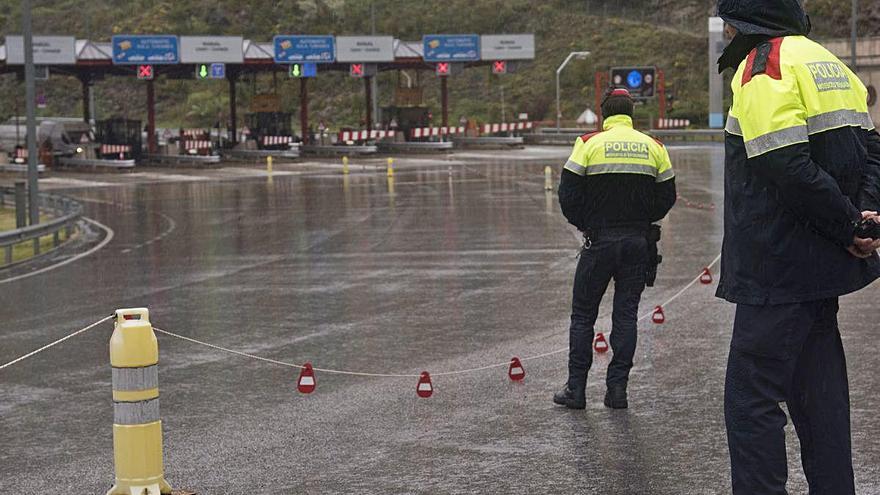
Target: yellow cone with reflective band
[(137, 430)]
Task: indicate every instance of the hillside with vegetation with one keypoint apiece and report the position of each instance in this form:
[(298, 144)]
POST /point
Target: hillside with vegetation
[(670, 34)]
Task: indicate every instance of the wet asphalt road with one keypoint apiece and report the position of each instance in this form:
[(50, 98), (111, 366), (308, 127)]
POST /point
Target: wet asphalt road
[(462, 262)]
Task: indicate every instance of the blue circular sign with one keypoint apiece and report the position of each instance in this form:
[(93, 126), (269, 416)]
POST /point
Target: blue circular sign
[(634, 79)]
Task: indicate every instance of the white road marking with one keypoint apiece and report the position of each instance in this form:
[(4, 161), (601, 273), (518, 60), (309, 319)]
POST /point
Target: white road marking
[(103, 243)]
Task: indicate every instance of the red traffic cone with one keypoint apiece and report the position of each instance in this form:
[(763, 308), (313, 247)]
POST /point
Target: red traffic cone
[(659, 317), (516, 372), (306, 383), (600, 344), (425, 388), (706, 277)]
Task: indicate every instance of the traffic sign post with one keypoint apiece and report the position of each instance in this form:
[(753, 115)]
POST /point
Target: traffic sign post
[(146, 72), (363, 70), (210, 71), (451, 48), (148, 49), (316, 49), (307, 69), (639, 81)]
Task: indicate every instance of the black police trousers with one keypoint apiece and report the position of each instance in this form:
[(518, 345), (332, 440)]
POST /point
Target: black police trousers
[(622, 256), (788, 353)]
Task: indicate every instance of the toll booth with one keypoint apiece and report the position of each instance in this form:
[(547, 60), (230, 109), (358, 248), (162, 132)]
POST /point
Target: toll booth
[(195, 142), (271, 130), (119, 138)]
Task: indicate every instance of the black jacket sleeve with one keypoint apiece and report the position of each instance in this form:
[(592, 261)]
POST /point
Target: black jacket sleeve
[(809, 192), (572, 198), (869, 195), (663, 200)]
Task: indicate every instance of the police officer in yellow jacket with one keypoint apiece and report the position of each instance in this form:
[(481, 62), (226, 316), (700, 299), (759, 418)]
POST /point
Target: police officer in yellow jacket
[(802, 171), (616, 183)]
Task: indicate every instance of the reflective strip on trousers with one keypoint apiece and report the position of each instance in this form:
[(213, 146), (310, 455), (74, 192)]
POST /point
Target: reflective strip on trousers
[(133, 379), (732, 126), (575, 167), (839, 118), (136, 413), (777, 139), (622, 168)]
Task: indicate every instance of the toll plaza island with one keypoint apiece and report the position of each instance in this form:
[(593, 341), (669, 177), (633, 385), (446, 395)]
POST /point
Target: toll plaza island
[(386, 266), (267, 131)]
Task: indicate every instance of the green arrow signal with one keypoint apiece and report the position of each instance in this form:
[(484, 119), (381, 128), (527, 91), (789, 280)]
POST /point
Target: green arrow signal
[(203, 71), (295, 70)]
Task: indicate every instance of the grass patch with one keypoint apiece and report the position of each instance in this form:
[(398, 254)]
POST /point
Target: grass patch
[(25, 250)]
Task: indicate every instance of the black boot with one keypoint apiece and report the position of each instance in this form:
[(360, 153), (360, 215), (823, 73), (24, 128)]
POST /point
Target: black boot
[(615, 397), (569, 399)]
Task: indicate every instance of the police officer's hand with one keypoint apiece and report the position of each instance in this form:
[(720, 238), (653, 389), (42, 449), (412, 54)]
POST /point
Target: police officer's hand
[(865, 248)]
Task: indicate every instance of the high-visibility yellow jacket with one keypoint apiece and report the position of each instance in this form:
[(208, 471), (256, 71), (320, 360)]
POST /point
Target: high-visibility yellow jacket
[(619, 148), (616, 177), (802, 161)]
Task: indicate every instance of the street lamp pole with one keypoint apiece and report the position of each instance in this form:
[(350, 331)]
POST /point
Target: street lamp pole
[(33, 193), (854, 33), (580, 56)]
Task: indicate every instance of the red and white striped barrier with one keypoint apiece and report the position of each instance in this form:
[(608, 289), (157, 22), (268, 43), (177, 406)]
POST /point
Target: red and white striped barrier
[(426, 132), (351, 136), (507, 127), (672, 123), (195, 133), (276, 140), (21, 153), (197, 145), (112, 149)]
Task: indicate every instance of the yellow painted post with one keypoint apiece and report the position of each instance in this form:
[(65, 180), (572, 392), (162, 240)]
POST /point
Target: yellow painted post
[(345, 165), (269, 165), (391, 167), (548, 179), (137, 429)]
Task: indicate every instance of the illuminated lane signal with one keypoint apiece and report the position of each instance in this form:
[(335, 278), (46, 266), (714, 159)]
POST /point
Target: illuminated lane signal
[(362, 70), (499, 67), (308, 69), (442, 69), (145, 72), (357, 70), (210, 71)]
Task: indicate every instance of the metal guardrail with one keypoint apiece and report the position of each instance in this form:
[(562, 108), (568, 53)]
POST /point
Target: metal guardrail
[(66, 213)]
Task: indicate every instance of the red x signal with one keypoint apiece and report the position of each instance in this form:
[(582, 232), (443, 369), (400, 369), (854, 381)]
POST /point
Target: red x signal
[(499, 67), (443, 69), (145, 72), (357, 70)]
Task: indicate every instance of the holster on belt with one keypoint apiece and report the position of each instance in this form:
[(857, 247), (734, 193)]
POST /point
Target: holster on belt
[(654, 257)]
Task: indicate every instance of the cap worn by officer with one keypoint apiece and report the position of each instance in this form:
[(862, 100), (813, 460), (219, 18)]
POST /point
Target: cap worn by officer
[(617, 102)]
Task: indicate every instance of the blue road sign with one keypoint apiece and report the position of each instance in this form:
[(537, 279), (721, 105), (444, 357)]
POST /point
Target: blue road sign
[(451, 47), (218, 71), (634, 79), (146, 49), (316, 49)]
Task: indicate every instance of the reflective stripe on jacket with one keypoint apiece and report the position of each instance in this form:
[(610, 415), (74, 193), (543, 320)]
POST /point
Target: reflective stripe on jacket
[(802, 160), (620, 149)]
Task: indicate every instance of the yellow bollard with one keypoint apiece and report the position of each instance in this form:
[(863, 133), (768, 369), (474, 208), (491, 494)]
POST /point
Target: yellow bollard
[(548, 179), (137, 429), (345, 165), (391, 167), (269, 165)]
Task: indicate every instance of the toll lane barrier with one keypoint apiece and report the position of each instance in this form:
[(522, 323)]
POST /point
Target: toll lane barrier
[(356, 136), (673, 123), (427, 132), (197, 146), (507, 127), (276, 140)]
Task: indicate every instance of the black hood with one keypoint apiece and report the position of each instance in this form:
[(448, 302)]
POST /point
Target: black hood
[(757, 21), (765, 17)]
